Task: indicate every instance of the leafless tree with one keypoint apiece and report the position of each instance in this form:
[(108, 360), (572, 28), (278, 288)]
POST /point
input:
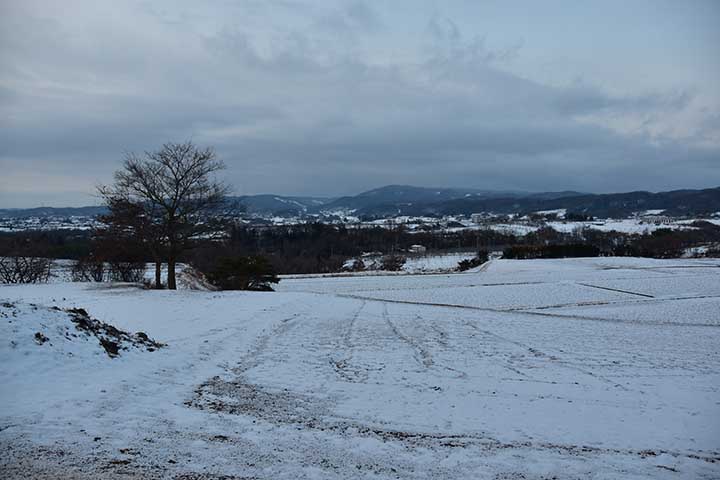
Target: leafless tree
[(122, 271), (88, 270), (24, 269), (174, 189)]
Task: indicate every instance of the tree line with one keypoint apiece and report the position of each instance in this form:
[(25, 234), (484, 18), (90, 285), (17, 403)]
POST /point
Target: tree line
[(169, 206)]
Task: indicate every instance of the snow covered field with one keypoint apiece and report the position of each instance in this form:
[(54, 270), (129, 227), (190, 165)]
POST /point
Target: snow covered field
[(577, 368), (414, 263), (623, 225)]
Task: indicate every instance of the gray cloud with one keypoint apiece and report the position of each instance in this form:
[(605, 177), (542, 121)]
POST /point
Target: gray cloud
[(312, 105)]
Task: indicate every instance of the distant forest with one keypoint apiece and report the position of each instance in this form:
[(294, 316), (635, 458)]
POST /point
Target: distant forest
[(322, 248)]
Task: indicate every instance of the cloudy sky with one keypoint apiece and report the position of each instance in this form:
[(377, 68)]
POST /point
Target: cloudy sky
[(336, 97)]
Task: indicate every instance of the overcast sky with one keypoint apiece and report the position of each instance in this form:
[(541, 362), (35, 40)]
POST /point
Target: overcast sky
[(330, 98)]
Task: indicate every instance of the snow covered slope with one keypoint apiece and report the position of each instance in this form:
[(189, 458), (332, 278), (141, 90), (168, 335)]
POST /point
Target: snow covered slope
[(579, 368), (423, 263)]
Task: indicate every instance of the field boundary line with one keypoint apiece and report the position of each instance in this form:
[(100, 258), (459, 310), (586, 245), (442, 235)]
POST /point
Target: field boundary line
[(532, 311), (615, 290)]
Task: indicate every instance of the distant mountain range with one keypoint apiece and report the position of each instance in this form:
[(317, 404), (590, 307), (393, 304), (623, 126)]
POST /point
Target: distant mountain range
[(613, 205), (383, 201), (44, 212), (405, 200), (408, 200), (394, 200)]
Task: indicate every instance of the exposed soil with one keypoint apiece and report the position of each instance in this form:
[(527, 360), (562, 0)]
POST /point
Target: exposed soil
[(112, 339)]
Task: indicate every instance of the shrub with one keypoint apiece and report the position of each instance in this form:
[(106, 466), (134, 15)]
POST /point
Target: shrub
[(23, 269), (132, 272), (88, 269), (392, 263), (476, 261), (242, 273)]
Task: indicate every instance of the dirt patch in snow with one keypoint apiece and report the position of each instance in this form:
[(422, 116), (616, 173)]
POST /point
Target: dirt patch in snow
[(112, 339), (67, 329), (237, 397)]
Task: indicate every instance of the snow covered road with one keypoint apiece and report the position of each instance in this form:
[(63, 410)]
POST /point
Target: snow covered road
[(584, 368)]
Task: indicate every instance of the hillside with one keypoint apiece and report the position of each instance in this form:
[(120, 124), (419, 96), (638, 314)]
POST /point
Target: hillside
[(678, 202), (278, 205), (395, 200)]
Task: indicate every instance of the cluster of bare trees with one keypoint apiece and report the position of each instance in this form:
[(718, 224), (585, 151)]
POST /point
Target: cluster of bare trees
[(25, 269), (92, 269), (162, 200)]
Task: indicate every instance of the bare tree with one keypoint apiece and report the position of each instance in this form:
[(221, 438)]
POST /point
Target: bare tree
[(25, 269), (175, 190), (88, 269)]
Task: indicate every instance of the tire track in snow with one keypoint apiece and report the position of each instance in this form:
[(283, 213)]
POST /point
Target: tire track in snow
[(343, 367), (252, 358), (547, 357), (422, 355), (427, 359), (348, 333)]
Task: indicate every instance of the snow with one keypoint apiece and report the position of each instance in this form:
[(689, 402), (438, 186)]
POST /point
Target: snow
[(627, 225), (560, 212), (435, 263), (576, 368), (716, 221), (514, 228), (700, 250), (414, 263)]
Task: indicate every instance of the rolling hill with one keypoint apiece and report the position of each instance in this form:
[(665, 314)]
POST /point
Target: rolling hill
[(395, 200)]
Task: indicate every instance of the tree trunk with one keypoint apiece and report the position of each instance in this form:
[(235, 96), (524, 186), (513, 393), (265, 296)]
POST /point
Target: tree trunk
[(158, 276), (171, 275)]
